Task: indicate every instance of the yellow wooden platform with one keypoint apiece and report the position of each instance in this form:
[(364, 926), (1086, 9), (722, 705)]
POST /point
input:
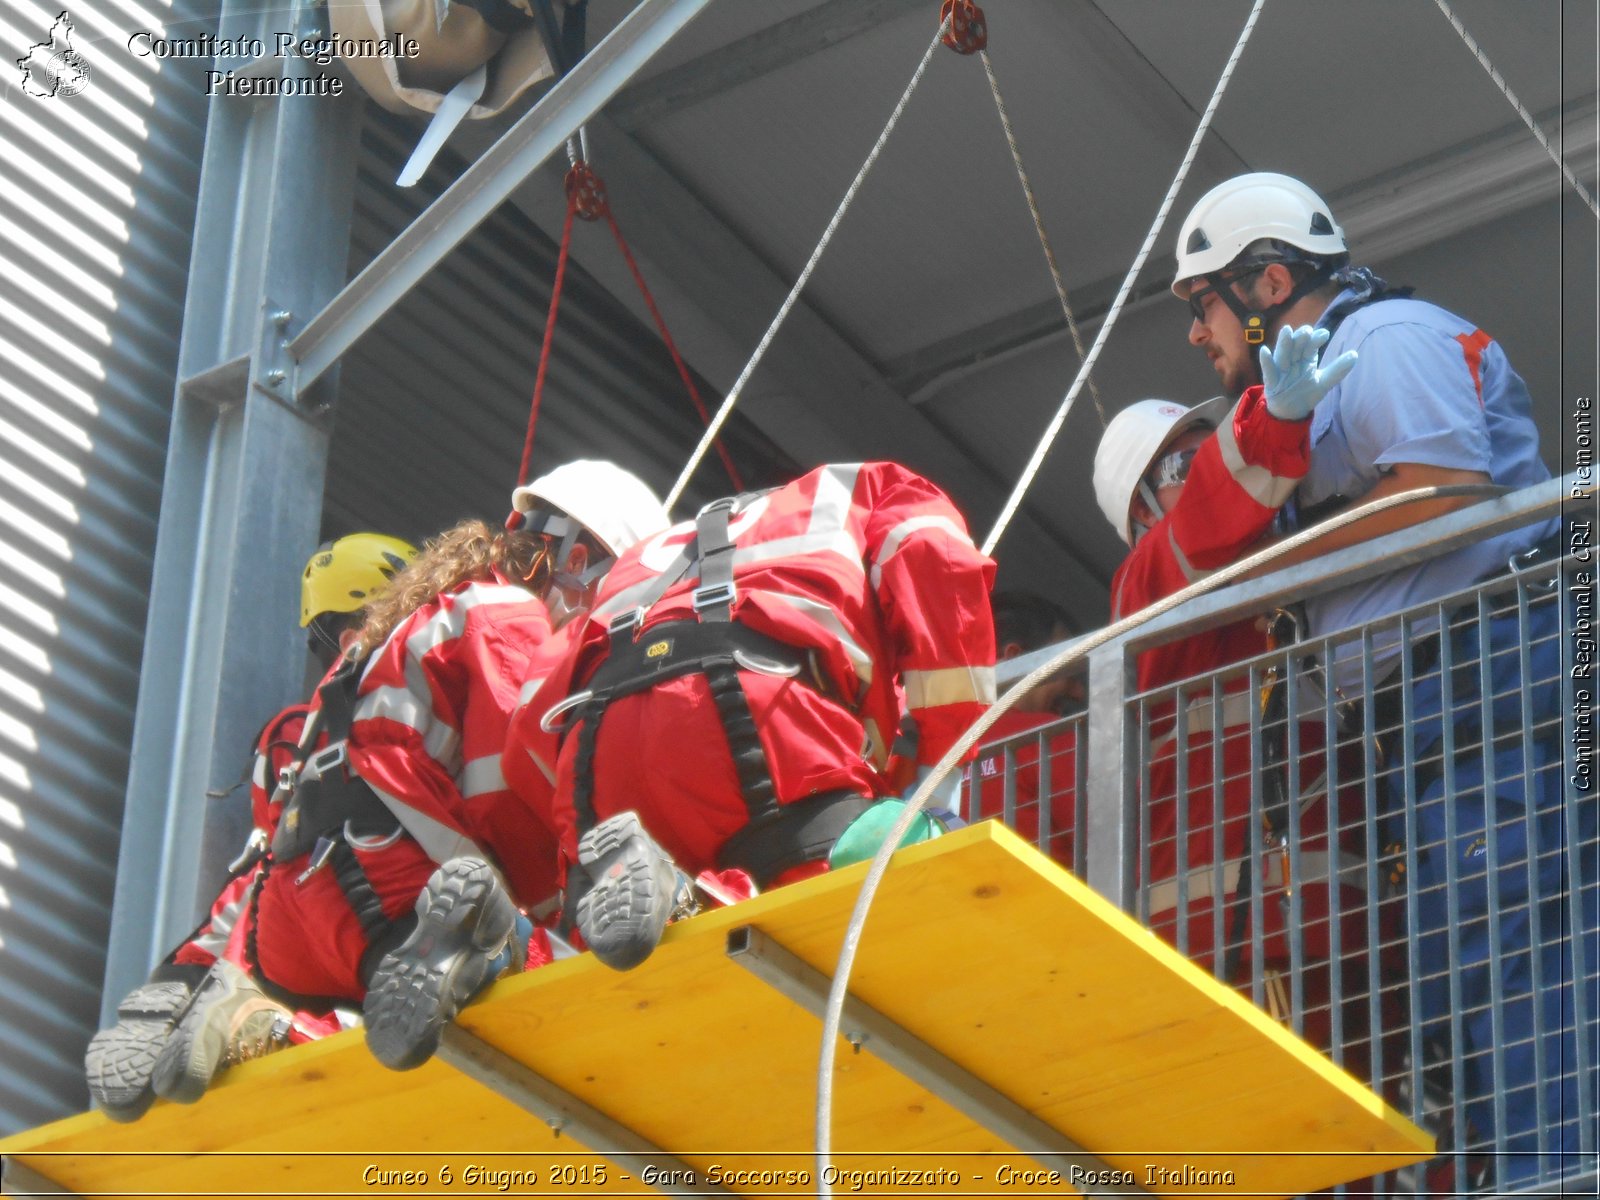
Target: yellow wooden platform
[(977, 944)]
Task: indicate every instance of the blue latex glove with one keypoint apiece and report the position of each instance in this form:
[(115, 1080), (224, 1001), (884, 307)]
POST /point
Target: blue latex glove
[(1293, 380)]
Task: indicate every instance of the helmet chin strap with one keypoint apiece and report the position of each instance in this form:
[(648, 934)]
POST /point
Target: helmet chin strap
[(563, 533), (564, 581), (1259, 323), (1148, 495)]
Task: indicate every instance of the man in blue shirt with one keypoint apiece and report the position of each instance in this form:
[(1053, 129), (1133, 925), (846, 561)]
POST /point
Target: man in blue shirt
[(1433, 401)]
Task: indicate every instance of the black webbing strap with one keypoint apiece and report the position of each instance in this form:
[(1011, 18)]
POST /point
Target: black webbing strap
[(383, 934), (744, 740), (713, 599), (793, 834), (710, 646), (668, 651), (336, 697), (588, 718), (327, 794), (357, 889)]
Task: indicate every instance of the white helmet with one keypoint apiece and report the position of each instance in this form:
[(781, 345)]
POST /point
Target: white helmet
[(1245, 209), (615, 506), (1135, 438)]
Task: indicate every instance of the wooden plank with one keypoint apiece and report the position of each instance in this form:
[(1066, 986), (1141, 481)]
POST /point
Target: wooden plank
[(977, 945)]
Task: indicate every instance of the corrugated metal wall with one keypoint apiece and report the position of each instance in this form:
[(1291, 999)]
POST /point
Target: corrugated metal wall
[(96, 205), (96, 219)]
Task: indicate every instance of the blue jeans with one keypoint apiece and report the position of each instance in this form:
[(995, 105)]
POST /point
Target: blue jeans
[(1506, 902)]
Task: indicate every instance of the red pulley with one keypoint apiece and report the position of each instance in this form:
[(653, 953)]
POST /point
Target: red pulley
[(968, 32), (586, 195)]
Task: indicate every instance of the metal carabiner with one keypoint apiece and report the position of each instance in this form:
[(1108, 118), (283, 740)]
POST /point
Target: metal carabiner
[(548, 721), (320, 854), (765, 666)]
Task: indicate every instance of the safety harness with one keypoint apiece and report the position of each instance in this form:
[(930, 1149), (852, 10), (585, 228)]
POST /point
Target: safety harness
[(325, 805), (777, 836)]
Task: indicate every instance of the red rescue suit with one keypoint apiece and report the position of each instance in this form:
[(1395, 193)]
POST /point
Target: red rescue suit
[(866, 573), (1238, 479), (432, 710)]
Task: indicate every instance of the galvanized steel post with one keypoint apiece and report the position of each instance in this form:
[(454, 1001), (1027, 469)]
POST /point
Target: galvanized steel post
[(242, 500)]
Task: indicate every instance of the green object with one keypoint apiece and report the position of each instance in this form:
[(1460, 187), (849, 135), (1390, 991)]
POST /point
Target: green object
[(863, 836)]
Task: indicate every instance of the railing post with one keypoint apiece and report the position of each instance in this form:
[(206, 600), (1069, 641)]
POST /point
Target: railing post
[(1113, 829)]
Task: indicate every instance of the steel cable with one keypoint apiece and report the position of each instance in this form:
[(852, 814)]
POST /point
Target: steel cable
[(1527, 117), (1038, 225), (1054, 428), (732, 397)]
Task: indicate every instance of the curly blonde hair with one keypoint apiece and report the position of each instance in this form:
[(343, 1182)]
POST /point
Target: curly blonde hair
[(471, 550)]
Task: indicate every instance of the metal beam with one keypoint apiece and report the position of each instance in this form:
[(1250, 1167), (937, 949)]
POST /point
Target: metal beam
[(758, 54), (875, 1033), (565, 1113), (485, 185), (1113, 834)]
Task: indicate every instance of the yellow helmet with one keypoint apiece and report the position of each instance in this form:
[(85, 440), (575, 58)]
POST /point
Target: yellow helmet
[(343, 575)]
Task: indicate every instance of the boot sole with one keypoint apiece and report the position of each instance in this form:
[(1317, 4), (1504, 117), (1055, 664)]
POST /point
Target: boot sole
[(120, 1062), (624, 909), (464, 920)]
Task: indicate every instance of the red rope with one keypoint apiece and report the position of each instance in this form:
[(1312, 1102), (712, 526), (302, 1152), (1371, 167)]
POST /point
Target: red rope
[(549, 331), (672, 348), (586, 198)]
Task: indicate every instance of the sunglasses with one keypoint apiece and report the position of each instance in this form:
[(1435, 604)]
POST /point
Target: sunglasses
[(1197, 310), (1171, 469)]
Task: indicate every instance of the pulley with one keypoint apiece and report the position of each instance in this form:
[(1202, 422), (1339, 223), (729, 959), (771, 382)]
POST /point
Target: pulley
[(968, 32), (586, 195)]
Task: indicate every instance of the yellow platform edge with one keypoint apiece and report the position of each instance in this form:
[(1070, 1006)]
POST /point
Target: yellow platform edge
[(805, 916)]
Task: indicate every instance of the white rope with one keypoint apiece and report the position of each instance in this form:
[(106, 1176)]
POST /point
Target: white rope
[(1038, 225), (732, 397), (1050, 433), (1527, 117), (839, 989)]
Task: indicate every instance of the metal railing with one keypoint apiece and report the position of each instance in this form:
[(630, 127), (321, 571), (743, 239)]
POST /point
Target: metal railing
[(1397, 856)]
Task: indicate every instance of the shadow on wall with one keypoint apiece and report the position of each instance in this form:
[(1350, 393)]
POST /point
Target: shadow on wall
[(95, 227)]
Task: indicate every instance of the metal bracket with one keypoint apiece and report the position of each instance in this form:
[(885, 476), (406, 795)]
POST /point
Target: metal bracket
[(274, 368), (221, 386), (871, 1031), (19, 1179), (565, 1113)]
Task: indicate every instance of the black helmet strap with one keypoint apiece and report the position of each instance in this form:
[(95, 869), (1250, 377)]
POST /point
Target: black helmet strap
[(1258, 323)]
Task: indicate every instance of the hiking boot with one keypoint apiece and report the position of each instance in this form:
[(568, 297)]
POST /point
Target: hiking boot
[(623, 890), (465, 939), (121, 1060), (228, 1020)]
